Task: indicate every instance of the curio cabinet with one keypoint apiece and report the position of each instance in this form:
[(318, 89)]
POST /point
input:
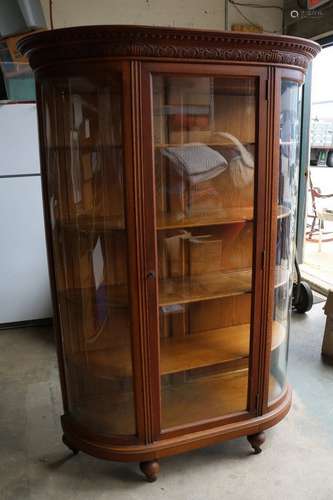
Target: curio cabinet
[(170, 170)]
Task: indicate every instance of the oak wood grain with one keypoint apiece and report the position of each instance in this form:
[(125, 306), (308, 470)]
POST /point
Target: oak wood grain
[(178, 354)]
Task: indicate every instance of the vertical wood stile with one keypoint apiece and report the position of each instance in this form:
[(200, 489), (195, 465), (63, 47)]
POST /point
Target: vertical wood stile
[(260, 193), (144, 251), (272, 179)]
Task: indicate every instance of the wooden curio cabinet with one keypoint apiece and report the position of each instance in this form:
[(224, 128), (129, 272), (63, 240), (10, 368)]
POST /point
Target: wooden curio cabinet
[(170, 168)]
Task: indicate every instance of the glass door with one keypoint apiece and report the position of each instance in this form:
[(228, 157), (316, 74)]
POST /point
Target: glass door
[(205, 167)]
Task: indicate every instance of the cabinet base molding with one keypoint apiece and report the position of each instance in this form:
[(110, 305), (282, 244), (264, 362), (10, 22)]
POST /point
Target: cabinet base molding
[(102, 447)]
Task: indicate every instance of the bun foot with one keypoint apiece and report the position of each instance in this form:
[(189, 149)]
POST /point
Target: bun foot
[(74, 450), (150, 470), (256, 440)]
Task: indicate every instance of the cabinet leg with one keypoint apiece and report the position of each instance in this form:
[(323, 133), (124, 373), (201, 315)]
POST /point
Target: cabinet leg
[(150, 470), (66, 443), (256, 440)]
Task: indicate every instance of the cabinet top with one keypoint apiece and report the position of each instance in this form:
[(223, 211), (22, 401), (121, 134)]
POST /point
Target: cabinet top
[(146, 42)]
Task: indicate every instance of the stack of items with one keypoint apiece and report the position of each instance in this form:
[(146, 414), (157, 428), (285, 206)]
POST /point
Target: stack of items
[(17, 76)]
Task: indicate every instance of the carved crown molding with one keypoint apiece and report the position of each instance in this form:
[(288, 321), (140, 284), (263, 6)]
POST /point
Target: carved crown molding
[(48, 47)]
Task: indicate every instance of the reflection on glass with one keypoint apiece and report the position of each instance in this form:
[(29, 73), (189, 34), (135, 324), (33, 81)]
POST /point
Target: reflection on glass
[(85, 175), (204, 143), (286, 227)]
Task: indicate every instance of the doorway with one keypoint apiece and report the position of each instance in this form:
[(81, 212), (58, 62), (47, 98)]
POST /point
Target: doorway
[(317, 251)]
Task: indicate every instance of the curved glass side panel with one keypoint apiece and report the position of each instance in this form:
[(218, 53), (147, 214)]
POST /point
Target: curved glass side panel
[(84, 168), (286, 230)]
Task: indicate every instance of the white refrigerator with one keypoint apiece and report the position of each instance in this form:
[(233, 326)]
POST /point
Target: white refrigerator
[(24, 281)]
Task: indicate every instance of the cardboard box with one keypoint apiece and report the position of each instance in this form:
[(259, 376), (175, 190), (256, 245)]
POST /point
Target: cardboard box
[(247, 28), (11, 42), (15, 55), (327, 347)]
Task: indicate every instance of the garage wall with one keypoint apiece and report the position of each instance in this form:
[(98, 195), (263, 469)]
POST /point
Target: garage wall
[(189, 13), (314, 24)]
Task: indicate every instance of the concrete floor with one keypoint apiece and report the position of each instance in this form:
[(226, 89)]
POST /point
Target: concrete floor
[(34, 464)]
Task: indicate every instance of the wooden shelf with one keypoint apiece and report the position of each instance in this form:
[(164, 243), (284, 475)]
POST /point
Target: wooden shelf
[(220, 144), (234, 87), (224, 347), (183, 290), (204, 287), (215, 347), (210, 218), (114, 296), (289, 143), (93, 148), (283, 212), (213, 218), (226, 86), (90, 224), (205, 398), (182, 404), (281, 277), (102, 224)]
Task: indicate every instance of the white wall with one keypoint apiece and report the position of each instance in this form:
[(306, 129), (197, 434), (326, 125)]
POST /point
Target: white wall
[(189, 13)]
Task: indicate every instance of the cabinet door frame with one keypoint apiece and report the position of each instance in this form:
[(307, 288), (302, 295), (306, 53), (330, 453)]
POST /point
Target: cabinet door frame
[(258, 334)]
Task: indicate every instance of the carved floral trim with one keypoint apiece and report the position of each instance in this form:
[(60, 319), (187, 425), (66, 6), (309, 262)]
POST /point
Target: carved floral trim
[(143, 42)]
